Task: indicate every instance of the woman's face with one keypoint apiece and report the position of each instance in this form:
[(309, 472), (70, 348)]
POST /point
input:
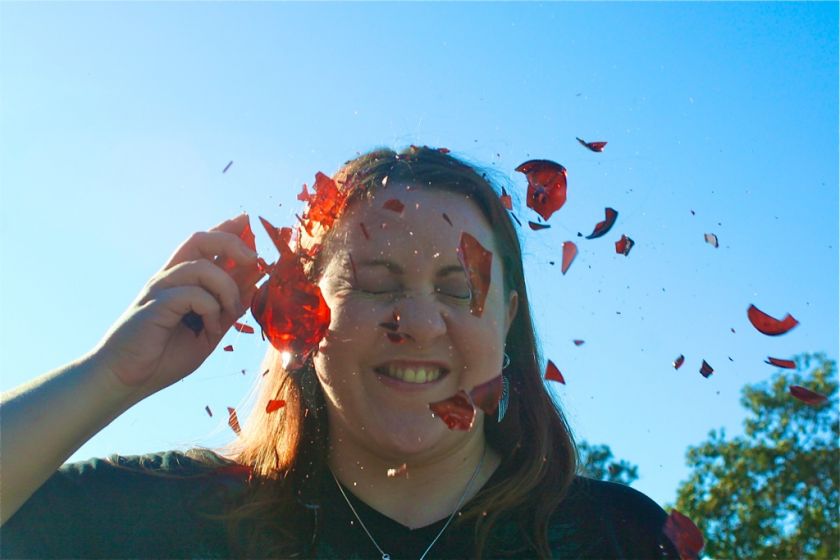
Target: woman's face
[(378, 391)]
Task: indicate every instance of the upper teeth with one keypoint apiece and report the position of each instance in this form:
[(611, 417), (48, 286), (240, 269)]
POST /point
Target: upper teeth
[(414, 374)]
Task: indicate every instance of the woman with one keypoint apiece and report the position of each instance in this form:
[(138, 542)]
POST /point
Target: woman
[(420, 267)]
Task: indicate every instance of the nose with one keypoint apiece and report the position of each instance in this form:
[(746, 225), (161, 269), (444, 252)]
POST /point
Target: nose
[(421, 317)]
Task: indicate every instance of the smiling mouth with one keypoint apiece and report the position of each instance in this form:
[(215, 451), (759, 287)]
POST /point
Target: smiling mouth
[(417, 374)]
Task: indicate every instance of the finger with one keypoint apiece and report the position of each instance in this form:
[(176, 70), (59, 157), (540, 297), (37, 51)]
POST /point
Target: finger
[(205, 274), (178, 301), (211, 245)]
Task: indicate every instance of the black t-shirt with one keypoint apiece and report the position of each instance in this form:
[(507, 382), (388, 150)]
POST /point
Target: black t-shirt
[(124, 508)]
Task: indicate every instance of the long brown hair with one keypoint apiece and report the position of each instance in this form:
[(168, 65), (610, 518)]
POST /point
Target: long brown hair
[(287, 449)]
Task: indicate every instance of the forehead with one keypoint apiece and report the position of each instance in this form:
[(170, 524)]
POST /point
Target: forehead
[(409, 219)]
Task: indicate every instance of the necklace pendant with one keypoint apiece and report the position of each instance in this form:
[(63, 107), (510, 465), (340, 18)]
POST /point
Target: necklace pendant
[(386, 556)]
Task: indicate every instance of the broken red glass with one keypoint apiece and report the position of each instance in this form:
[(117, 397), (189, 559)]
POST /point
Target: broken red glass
[(227, 166), (536, 226), (594, 146), (711, 239), (785, 364), (304, 195), (685, 535), (601, 228), (457, 412), (569, 254), (679, 361), (274, 404), (243, 328), (553, 374), (546, 186), (325, 204), (448, 221), (228, 348), (396, 338), (578, 342), (807, 396), (233, 420), (209, 412), (706, 370), (364, 230), (290, 308), (623, 245), (477, 262), (506, 201), (394, 205), (443, 150), (769, 325)]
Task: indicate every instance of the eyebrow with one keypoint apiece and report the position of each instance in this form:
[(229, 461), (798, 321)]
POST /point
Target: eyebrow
[(394, 268)]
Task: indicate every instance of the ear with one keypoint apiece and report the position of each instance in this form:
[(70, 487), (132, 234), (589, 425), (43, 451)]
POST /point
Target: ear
[(512, 307)]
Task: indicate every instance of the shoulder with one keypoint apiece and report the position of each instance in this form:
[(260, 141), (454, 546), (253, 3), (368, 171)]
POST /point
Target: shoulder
[(608, 520), (140, 505)]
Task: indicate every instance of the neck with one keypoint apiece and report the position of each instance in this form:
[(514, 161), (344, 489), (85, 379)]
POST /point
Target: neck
[(427, 490)]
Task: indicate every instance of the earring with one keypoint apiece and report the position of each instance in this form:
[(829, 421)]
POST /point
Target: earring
[(505, 361), (307, 389), (503, 402)]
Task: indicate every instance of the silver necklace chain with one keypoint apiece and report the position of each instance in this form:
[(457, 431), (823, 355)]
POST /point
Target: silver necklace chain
[(385, 555)]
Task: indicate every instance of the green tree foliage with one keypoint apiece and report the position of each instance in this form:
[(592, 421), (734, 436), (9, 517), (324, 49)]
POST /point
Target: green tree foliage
[(596, 461), (773, 492)]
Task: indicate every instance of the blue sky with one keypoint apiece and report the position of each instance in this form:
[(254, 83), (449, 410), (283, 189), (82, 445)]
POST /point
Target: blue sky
[(116, 121)]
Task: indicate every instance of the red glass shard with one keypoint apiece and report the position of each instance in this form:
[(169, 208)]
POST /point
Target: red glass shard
[(209, 412), (578, 342), (569, 254), (807, 396), (706, 370), (679, 361), (227, 166), (601, 228), (594, 146), (536, 226), (477, 262), (506, 201), (785, 364), (325, 204), (457, 412), (487, 395), (687, 538), (304, 195), (274, 404), (364, 230), (711, 239), (553, 374), (290, 308), (546, 186), (243, 328), (448, 221), (394, 205), (233, 420), (390, 326), (515, 219), (769, 325), (265, 373), (228, 348), (623, 245), (443, 150)]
